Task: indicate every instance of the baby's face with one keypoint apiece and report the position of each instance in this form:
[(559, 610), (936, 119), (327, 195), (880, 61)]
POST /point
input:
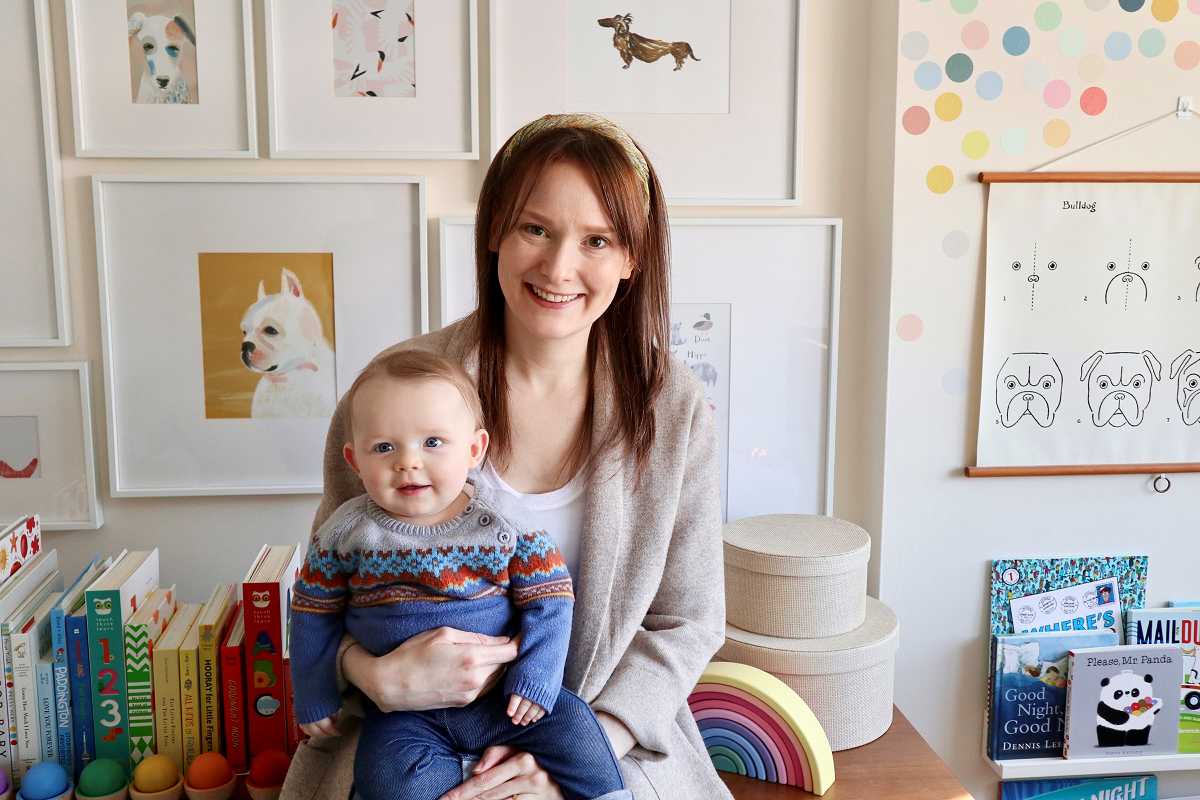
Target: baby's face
[(414, 442)]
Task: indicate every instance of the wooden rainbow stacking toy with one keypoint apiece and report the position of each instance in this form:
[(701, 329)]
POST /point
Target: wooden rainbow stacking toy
[(754, 725)]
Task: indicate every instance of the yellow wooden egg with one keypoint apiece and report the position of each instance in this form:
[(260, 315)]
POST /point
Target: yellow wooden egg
[(155, 774)]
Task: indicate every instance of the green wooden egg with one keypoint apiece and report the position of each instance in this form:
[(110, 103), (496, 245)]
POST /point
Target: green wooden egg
[(100, 778)]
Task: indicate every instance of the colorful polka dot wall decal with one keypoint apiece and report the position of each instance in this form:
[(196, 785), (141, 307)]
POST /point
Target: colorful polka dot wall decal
[(1093, 101), (1152, 43), (1091, 68), (939, 179), (989, 85), (954, 382), (948, 106), (975, 34), (1164, 10), (1035, 76), (1016, 41), (1057, 93), (1057, 132), (956, 244), (1118, 46), (928, 76), (1132, 5), (959, 67), (1071, 42), (1047, 16), (1096, 5), (910, 327), (1194, 6), (914, 45), (964, 6), (915, 120), (975, 145), (1187, 55), (1014, 141)]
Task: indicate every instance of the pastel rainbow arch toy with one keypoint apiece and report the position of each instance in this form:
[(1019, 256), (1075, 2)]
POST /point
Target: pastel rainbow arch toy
[(754, 724)]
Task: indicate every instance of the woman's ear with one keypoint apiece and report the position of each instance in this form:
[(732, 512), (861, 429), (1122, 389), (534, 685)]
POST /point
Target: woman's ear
[(627, 270), (348, 454), (479, 445), (494, 236)]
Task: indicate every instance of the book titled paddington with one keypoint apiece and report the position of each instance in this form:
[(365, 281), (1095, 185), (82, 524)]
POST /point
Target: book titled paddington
[(1123, 701), (1029, 691)]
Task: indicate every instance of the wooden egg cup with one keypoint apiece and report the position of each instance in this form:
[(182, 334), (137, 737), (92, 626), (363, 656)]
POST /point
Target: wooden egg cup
[(174, 793), (67, 795), (120, 794), (222, 792), (263, 792)]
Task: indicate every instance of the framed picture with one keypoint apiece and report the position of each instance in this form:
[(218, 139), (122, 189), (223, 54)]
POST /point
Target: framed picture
[(394, 80), (711, 89), (229, 336), (162, 78), (32, 265), (47, 465), (754, 314)]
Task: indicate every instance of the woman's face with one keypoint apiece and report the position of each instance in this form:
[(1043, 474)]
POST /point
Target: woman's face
[(560, 265)]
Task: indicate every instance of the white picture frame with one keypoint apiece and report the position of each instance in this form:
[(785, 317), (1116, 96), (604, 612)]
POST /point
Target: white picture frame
[(306, 120), (161, 439), (33, 263), (784, 258), (63, 489), (691, 152), (109, 124)]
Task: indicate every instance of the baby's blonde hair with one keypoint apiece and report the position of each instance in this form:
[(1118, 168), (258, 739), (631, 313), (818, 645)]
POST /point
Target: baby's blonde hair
[(416, 365)]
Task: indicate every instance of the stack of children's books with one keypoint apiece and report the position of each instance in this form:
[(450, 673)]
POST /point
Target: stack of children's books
[(111, 664), (1078, 668)]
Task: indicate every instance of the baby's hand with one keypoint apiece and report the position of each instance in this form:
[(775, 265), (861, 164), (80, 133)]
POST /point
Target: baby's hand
[(524, 711), (325, 727)]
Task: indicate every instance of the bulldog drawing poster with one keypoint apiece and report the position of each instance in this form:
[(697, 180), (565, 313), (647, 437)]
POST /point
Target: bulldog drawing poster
[(267, 330), (1091, 348)]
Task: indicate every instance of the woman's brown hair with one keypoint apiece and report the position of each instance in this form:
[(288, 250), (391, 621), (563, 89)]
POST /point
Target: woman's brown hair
[(629, 339)]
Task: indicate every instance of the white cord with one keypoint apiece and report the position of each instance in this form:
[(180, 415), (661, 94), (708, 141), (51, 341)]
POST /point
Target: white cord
[(1106, 140)]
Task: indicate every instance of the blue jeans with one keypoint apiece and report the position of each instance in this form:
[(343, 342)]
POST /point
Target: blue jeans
[(414, 755)]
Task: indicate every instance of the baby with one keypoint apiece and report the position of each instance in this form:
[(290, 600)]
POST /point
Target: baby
[(426, 548)]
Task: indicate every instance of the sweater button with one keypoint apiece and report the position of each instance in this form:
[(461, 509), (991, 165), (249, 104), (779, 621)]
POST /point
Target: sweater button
[(504, 536), (470, 507), (485, 519)]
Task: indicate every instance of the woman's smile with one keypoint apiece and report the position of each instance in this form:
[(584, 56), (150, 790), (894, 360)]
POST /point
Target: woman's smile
[(550, 300)]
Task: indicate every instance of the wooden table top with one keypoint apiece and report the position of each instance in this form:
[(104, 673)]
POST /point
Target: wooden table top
[(899, 765)]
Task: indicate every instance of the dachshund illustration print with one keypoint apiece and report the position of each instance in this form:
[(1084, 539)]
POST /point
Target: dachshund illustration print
[(631, 45)]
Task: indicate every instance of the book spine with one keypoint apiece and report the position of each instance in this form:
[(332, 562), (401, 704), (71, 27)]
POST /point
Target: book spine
[(1067, 704), (45, 698), (29, 747), (106, 650), (189, 692), (266, 724), (62, 691), (79, 671), (167, 724), (210, 689), (140, 702), (990, 708), (234, 691), (293, 727), (8, 760)]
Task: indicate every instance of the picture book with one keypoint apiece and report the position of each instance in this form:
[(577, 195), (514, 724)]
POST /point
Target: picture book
[(1183, 603), (168, 703), (111, 601), (266, 597), (45, 703), (1082, 607), (234, 691), (1180, 626), (1123, 787), (1022, 577), (19, 542), (71, 600), (189, 692), (27, 646), (79, 673), (213, 624), (14, 593), (143, 628), (1029, 691), (1121, 701)]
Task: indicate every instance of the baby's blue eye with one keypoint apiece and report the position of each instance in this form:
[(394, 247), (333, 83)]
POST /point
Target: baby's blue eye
[(383, 447), (433, 441), (173, 51)]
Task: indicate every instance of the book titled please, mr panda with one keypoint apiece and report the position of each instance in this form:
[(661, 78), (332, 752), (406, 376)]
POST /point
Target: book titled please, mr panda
[(1123, 701)]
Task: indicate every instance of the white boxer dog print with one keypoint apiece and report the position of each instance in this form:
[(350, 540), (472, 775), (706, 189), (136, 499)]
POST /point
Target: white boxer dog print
[(1119, 386), (1028, 385)]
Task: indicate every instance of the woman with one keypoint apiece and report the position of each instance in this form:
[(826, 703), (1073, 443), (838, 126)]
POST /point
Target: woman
[(585, 406)]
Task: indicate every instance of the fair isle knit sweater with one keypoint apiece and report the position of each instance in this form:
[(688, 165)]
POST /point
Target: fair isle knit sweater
[(489, 570)]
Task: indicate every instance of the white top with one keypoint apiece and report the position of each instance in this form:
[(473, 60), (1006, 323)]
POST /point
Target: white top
[(560, 513)]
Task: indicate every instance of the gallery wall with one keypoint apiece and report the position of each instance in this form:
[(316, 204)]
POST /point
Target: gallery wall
[(208, 539), (1006, 87)]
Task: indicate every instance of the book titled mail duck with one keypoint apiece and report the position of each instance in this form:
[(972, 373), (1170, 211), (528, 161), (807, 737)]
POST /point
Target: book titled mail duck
[(1123, 701)]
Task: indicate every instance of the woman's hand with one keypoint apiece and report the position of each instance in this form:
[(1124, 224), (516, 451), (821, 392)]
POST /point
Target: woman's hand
[(439, 668), (321, 728), (505, 772)]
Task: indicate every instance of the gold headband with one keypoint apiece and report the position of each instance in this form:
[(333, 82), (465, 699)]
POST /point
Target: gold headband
[(588, 122)]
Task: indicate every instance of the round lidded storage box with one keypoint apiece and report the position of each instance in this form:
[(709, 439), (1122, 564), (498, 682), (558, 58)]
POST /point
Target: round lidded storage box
[(846, 680), (795, 575)]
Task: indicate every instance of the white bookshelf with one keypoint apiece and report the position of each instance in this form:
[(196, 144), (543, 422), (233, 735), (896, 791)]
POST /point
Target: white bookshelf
[(1018, 768)]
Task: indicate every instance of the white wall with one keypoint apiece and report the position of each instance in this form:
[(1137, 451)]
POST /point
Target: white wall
[(207, 540), (940, 530)]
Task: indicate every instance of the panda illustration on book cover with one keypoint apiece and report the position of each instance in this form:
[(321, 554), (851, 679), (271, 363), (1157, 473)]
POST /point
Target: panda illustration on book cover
[(1126, 710)]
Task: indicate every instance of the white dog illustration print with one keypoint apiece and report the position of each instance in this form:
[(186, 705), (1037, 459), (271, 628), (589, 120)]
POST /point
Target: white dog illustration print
[(282, 338), (1028, 385), (1118, 386), (164, 41), (1185, 371)]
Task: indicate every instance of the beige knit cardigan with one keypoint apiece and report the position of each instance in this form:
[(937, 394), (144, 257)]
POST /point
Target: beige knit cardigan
[(649, 597)]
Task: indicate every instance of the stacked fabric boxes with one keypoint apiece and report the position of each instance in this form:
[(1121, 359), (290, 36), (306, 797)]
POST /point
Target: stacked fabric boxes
[(797, 607)]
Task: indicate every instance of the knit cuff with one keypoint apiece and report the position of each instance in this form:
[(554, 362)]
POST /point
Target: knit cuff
[(318, 712), (545, 696)]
